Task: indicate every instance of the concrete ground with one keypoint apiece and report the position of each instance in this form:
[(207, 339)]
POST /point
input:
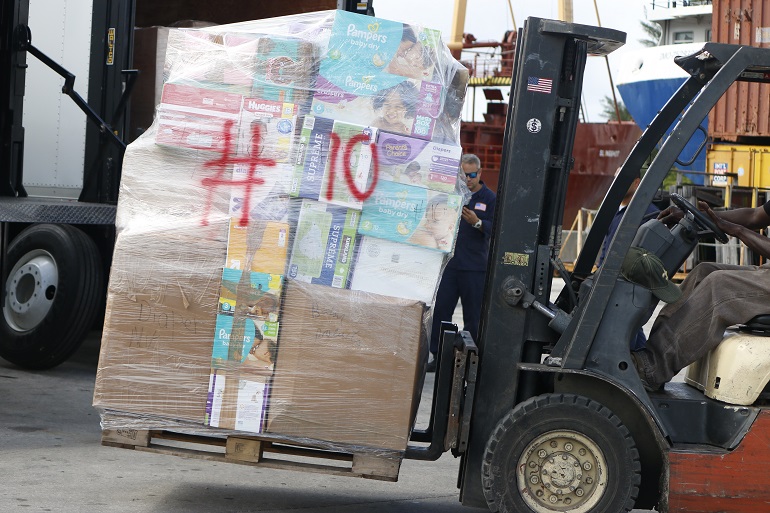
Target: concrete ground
[(51, 460)]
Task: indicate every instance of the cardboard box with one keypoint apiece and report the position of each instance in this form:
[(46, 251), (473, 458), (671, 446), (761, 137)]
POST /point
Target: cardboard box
[(211, 60), (196, 118), (370, 45), (392, 103), (149, 58), (262, 293), (244, 345), (380, 73), (397, 270), (348, 369), (321, 167), (236, 403), (418, 162), (412, 215), (162, 187), (261, 176), (284, 69), (266, 131), (324, 244), (259, 246), (155, 357)]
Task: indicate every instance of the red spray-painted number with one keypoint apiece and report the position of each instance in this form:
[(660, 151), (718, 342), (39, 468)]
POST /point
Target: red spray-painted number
[(253, 161), (228, 158), (348, 172)]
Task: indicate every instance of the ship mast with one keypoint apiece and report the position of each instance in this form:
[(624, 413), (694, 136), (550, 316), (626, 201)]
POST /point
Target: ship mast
[(458, 26)]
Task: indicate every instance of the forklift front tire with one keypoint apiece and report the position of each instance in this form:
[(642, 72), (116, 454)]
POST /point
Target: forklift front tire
[(561, 452)]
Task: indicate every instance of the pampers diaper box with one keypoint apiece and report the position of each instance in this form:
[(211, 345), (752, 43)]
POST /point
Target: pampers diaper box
[(412, 215), (380, 73), (418, 162), (261, 291)]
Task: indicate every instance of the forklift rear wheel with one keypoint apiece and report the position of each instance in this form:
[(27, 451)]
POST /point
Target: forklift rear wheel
[(53, 292), (561, 452)]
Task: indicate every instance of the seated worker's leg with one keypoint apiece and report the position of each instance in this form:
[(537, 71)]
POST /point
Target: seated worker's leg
[(693, 279), (695, 324), (446, 302), (472, 295)]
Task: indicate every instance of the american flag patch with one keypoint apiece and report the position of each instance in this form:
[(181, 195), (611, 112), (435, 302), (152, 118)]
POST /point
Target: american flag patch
[(539, 85)]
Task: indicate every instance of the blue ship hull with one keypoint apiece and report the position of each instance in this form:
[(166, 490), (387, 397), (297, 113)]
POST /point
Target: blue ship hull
[(649, 79)]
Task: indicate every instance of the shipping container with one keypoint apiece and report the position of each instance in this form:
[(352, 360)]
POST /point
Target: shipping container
[(744, 111), (747, 165)]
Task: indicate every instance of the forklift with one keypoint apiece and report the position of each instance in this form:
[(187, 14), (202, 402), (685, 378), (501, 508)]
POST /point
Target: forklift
[(546, 408)]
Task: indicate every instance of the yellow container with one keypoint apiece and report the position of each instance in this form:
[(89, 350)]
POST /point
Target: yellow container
[(751, 164)]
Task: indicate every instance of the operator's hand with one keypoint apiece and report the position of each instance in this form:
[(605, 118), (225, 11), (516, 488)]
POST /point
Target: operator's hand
[(469, 216), (729, 228), (670, 216)]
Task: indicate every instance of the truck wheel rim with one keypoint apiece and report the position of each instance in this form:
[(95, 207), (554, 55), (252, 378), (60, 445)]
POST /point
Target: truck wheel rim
[(31, 288), (562, 471)]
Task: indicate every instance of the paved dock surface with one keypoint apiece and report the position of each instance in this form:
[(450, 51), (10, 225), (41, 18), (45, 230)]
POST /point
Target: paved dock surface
[(51, 460)]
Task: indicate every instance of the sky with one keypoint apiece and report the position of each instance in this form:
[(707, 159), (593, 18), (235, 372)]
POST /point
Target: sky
[(489, 19)]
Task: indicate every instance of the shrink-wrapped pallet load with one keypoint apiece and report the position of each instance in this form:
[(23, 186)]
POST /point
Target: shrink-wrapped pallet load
[(282, 228)]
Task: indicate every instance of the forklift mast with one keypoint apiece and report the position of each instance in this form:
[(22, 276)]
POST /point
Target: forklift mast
[(536, 161)]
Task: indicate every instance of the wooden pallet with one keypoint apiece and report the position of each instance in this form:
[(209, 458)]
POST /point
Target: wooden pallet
[(256, 452)]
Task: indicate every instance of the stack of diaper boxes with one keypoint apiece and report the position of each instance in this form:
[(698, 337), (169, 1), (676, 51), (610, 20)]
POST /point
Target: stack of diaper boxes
[(281, 232)]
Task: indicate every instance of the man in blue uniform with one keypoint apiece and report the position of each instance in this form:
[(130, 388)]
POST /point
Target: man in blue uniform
[(465, 273)]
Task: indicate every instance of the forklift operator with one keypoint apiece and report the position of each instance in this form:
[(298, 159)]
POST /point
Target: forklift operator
[(714, 297)]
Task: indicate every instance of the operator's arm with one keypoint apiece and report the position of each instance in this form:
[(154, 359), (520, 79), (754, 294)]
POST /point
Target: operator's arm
[(752, 217)]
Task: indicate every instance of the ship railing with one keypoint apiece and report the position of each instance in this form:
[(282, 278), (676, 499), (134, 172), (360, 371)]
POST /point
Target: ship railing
[(673, 4)]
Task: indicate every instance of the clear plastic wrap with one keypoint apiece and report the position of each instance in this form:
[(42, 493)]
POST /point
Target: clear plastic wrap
[(282, 228)]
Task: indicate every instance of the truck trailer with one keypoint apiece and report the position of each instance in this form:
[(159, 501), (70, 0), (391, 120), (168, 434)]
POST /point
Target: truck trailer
[(65, 120)]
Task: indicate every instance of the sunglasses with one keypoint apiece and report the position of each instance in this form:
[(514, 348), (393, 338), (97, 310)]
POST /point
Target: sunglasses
[(472, 175)]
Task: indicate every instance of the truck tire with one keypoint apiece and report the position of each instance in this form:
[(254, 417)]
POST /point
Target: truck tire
[(53, 292), (560, 452)]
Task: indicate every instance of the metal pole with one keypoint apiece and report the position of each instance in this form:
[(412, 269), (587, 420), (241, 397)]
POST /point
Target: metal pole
[(513, 18), (609, 72)]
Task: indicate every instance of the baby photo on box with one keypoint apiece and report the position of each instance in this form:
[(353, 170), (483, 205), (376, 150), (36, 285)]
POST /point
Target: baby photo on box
[(260, 291), (412, 215), (388, 102), (373, 45), (284, 68), (256, 350)]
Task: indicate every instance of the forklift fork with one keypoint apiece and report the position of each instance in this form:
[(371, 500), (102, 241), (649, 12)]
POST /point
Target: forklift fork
[(452, 401)]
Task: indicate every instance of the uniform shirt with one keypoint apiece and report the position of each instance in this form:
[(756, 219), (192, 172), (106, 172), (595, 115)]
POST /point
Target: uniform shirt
[(472, 246)]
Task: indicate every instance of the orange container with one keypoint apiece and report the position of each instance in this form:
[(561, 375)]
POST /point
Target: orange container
[(744, 110)]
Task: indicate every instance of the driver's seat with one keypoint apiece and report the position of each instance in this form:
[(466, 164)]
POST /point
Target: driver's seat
[(738, 370)]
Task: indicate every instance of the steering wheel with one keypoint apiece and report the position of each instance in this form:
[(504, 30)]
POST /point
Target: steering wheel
[(701, 219)]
